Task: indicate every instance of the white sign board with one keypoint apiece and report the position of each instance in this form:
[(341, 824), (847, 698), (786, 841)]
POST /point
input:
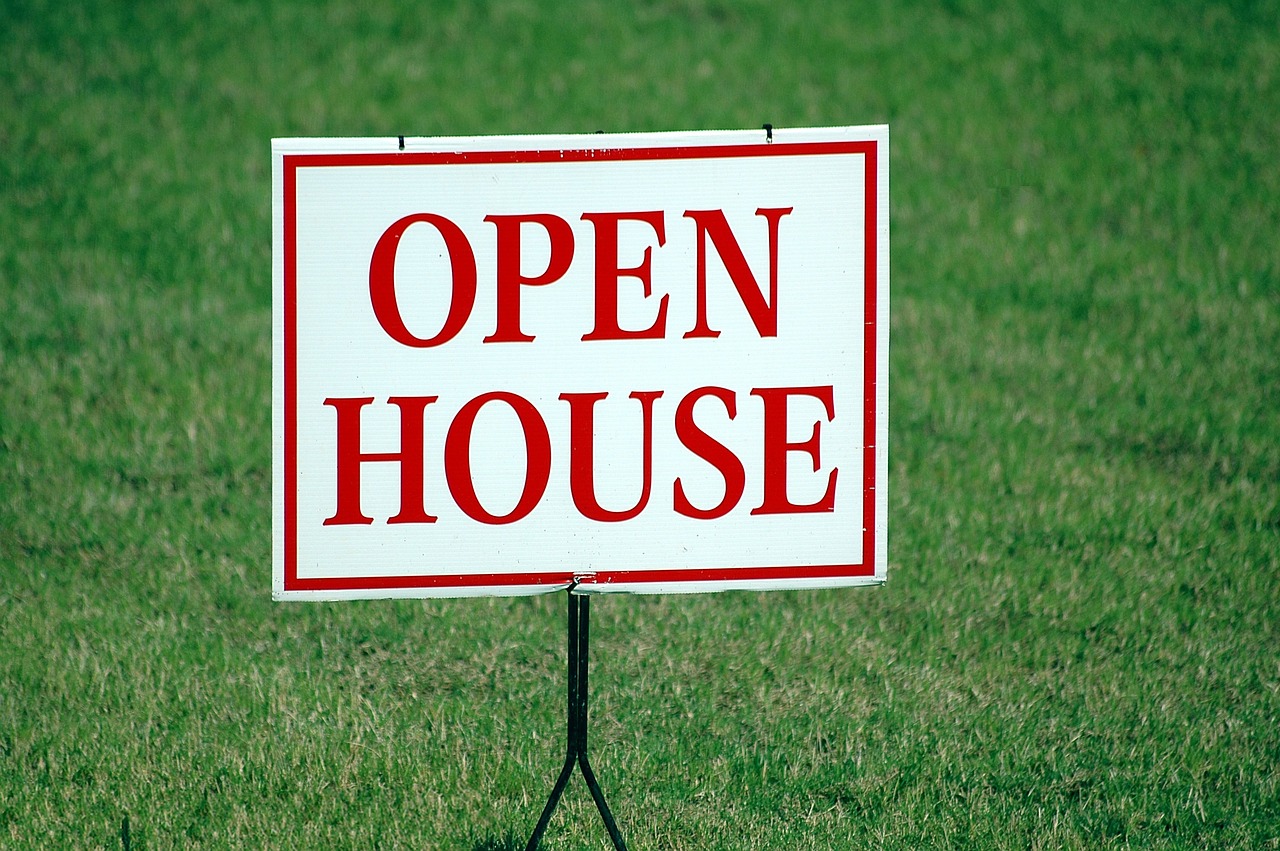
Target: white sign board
[(645, 363)]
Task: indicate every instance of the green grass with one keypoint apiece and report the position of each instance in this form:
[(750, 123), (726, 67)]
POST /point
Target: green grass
[(1078, 644)]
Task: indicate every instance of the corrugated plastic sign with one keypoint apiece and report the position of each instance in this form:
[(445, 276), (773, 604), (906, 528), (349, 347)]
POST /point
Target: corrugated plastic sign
[(642, 362)]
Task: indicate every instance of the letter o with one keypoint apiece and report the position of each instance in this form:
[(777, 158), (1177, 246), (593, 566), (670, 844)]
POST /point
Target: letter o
[(457, 458), (382, 284)]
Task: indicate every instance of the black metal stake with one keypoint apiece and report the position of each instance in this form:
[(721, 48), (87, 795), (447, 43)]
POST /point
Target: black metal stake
[(579, 643)]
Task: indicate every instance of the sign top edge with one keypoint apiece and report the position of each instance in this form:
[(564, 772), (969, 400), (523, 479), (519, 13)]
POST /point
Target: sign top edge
[(535, 142)]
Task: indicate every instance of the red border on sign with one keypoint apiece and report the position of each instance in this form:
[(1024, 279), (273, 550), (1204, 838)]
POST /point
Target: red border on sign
[(554, 579)]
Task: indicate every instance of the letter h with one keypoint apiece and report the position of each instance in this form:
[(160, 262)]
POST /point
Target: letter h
[(410, 457)]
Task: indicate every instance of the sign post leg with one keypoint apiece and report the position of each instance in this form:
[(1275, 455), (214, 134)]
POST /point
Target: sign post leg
[(576, 752)]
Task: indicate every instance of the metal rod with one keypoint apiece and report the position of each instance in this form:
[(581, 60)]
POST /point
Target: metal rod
[(579, 635), (584, 637)]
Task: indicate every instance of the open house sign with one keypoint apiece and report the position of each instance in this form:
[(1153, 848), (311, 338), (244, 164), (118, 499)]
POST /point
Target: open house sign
[(642, 362)]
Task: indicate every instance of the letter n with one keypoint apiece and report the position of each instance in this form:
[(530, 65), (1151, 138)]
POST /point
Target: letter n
[(711, 224)]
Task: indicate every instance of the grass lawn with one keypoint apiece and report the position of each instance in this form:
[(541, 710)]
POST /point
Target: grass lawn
[(1079, 643)]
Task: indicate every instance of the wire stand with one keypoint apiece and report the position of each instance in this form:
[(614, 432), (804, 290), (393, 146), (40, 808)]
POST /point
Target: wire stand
[(579, 643)]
